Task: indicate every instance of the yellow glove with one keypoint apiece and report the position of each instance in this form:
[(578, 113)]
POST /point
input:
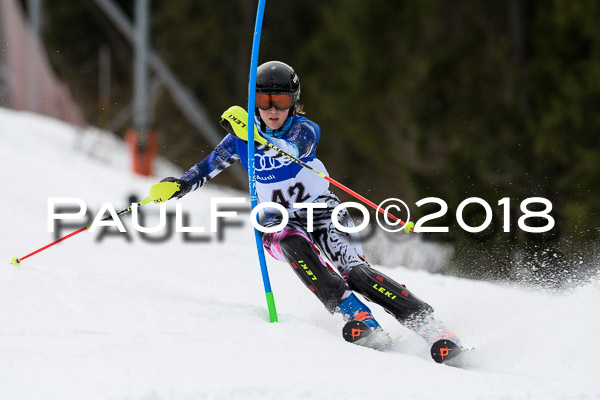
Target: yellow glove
[(235, 120)]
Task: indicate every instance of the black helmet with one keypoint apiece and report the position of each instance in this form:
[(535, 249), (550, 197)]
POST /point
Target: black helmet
[(277, 77)]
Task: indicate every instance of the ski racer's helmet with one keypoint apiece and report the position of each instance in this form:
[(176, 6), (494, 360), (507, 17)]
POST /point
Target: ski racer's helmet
[(275, 77)]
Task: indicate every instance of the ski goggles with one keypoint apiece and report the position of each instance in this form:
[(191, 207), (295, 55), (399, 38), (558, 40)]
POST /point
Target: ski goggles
[(282, 101)]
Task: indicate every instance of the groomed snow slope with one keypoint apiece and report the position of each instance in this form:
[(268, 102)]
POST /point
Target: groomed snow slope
[(178, 320)]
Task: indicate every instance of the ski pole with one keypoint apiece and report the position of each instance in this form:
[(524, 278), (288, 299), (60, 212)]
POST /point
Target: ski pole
[(159, 193), (17, 260), (408, 226)]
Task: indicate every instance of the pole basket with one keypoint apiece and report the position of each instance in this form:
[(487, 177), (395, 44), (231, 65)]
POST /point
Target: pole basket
[(143, 150)]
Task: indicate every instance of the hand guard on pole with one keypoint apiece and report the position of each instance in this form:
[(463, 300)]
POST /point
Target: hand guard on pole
[(233, 120), (167, 189)]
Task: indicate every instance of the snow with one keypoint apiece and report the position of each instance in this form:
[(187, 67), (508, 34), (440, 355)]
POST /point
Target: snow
[(113, 319)]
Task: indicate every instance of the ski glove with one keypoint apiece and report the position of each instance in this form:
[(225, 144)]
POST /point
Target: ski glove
[(167, 189), (235, 120)]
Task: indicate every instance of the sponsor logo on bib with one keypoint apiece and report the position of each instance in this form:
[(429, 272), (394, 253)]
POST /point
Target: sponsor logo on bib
[(266, 163)]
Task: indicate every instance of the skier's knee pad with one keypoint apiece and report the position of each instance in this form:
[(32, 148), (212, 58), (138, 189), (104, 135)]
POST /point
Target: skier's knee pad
[(319, 277), (382, 290)]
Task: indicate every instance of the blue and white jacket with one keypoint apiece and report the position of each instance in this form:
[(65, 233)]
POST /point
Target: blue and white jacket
[(278, 179)]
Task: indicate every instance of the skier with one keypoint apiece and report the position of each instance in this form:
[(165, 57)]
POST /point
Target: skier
[(279, 120)]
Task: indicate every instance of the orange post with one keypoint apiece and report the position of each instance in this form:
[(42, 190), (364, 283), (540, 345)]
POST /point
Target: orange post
[(142, 154)]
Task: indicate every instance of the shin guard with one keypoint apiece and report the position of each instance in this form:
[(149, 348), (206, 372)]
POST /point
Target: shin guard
[(382, 290), (321, 279)]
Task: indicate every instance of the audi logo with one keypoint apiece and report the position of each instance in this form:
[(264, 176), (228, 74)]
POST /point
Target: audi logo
[(266, 163)]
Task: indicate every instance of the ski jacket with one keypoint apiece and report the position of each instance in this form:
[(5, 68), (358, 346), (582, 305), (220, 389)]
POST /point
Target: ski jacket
[(278, 179)]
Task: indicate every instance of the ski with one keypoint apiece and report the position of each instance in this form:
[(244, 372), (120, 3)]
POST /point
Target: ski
[(442, 352)]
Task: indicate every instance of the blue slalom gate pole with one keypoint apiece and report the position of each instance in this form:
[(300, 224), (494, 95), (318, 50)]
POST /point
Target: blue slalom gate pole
[(251, 175)]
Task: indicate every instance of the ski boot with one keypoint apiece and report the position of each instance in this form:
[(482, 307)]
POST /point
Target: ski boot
[(361, 327), (445, 344), (352, 309)]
